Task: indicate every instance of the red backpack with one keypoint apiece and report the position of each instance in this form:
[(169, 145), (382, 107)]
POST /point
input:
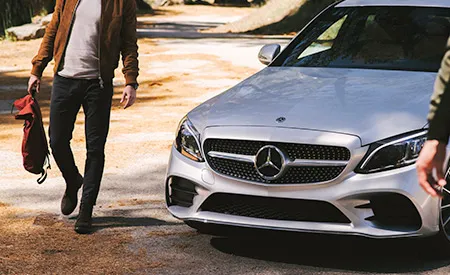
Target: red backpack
[(35, 150)]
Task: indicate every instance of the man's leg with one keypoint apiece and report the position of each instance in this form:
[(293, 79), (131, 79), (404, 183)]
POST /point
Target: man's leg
[(65, 103), (97, 109)]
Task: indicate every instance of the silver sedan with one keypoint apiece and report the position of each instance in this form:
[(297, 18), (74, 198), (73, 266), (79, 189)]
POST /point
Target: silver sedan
[(325, 138)]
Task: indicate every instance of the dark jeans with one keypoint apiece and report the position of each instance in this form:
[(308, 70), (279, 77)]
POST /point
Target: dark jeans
[(68, 95)]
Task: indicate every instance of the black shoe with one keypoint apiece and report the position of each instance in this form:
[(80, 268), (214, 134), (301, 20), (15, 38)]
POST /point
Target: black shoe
[(70, 199), (83, 225)]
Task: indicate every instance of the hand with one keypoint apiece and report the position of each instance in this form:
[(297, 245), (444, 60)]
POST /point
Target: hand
[(431, 157), (128, 96), (34, 83)]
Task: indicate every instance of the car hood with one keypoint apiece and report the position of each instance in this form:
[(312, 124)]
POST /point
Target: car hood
[(370, 104)]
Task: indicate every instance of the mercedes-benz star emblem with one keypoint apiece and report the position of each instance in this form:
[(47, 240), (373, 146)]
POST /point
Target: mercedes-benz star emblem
[(281, 119), (270, 162)]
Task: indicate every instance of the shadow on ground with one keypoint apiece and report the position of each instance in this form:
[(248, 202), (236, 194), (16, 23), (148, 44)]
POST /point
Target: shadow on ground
[(181, 27), (336, 252), (192, 30), (13, 87), (100, 223)]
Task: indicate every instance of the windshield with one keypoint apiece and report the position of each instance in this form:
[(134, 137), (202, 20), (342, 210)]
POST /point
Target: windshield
[(390, 38)]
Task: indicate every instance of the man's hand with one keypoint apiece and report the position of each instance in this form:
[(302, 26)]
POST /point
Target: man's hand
[(129, 96), (431, 157), (34, 83)]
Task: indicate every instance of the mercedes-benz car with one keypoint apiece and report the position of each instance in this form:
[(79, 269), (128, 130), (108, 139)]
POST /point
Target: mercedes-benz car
[(325, 138)]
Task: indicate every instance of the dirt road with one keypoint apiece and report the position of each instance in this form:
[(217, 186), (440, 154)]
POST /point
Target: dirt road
[(180, 68), (176, 75)]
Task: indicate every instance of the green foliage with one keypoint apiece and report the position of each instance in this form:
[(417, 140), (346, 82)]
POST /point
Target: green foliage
[(43, 12), (9, 37)]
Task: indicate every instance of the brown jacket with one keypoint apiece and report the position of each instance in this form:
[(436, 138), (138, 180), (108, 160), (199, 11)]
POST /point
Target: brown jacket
[(439, 116), (117, 36)]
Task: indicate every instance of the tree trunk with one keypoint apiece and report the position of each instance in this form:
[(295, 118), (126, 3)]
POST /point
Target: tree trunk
[(277, 16), (14, 13)]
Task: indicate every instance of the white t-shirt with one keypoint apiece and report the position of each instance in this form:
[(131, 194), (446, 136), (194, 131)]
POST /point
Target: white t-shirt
[(81, 59)]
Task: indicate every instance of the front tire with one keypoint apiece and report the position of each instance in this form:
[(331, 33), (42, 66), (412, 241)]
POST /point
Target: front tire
[(442, 240)]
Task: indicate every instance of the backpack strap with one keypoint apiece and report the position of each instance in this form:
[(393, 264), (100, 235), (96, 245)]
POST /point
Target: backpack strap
[(44, 174), (43, 177)]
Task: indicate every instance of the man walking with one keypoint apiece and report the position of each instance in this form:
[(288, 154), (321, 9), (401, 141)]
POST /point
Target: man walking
[(86, 38), (433, 153)]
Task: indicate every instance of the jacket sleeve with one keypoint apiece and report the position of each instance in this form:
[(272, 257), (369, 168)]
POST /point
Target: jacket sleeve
[(45, 54), (129, 47), (439, 115)]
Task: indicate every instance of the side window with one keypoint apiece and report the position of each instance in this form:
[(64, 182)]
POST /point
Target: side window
[(325, 41)]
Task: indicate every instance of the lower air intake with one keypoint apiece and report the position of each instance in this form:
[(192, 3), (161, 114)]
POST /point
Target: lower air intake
[(273, 208), (394, 211), (180, 192)]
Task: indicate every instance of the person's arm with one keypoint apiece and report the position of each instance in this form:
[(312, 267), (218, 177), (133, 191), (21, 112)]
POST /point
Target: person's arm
[(45, 54), (433, 153), (439, 115), (129, 51)]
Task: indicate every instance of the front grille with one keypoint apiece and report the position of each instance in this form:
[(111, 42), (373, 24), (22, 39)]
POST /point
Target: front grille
[(293, 175), (273, 208), (293, 150), (297, 175)]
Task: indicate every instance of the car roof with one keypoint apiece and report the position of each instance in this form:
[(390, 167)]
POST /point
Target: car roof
[(393, 3)]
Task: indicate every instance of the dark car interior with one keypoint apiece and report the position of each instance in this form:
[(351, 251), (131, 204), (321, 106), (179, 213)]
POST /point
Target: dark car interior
[(393, 38)]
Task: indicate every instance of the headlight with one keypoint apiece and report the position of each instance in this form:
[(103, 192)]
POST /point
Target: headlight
[(392, 153), (187, 141)]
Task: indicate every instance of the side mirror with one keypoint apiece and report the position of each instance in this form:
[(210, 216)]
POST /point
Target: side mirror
[(268, 53)]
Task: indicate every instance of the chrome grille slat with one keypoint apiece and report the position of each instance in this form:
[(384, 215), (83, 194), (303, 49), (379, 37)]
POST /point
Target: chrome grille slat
[(229, 156), (317, 163), (297, 162), (306, 163)]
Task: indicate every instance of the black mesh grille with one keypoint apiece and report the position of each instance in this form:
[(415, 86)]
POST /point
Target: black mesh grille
[(273, 208), (293, 150), (293, 175), (299, 175)]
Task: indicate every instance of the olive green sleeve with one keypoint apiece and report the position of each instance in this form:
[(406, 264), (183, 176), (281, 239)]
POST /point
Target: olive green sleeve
[(439, 115)]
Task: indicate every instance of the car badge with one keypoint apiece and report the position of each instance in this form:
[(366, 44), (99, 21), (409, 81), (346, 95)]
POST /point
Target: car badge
[(281, 119), (270, 162)]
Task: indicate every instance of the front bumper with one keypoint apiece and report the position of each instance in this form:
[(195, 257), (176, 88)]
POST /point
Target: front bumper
[(346, 193)]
